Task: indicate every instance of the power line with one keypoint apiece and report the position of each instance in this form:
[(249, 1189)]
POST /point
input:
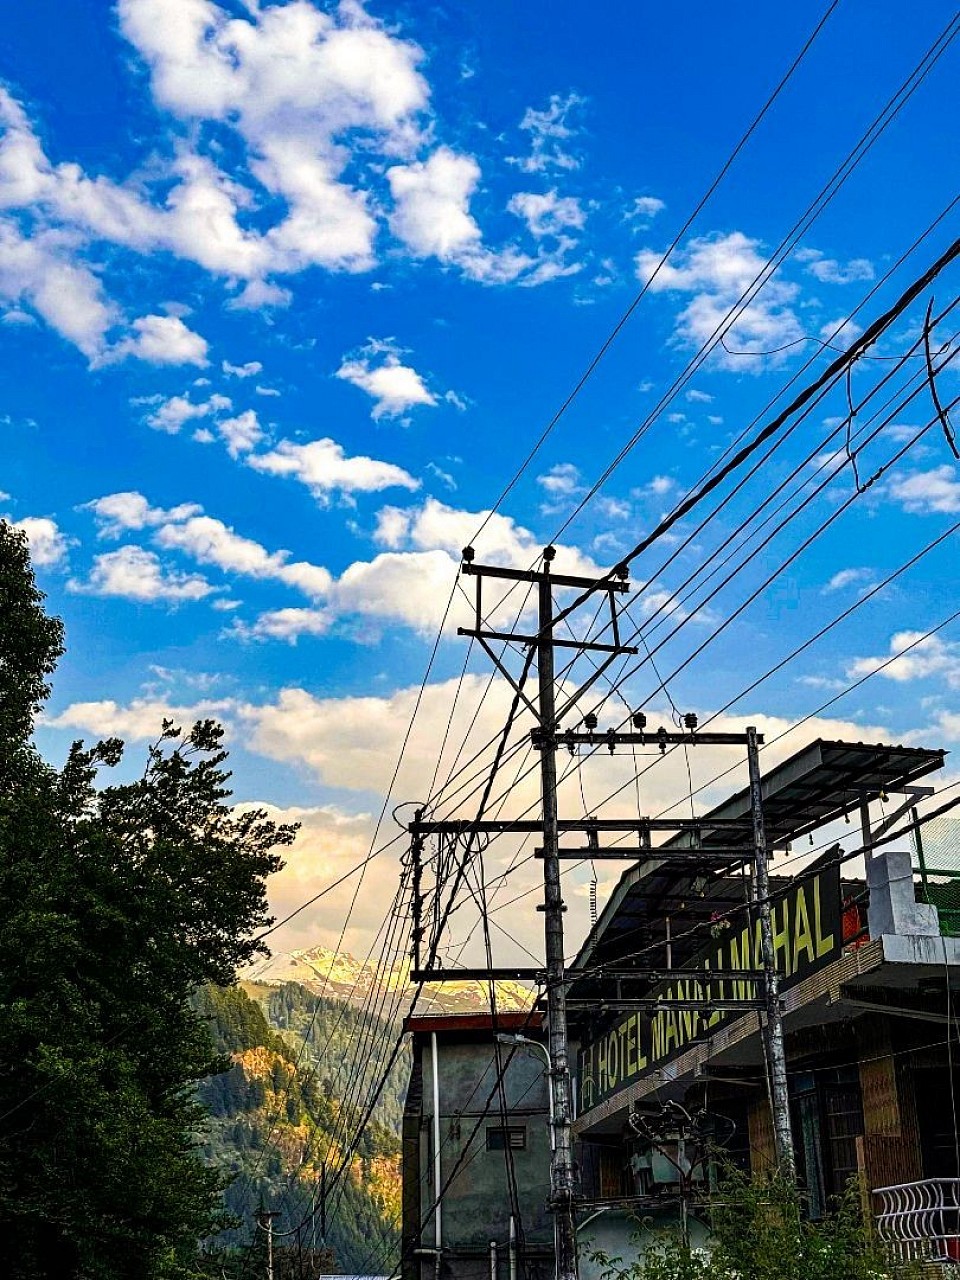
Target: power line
[(691, 218)]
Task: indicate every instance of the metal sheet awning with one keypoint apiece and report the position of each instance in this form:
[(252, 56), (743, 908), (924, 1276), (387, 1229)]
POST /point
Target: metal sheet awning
[(815, 786)]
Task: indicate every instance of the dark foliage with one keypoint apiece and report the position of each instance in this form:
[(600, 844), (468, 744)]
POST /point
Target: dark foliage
[(114, 905), (274, 1119)]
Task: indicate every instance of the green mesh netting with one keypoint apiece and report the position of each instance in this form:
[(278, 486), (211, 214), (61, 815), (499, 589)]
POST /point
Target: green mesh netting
[(936, 856)]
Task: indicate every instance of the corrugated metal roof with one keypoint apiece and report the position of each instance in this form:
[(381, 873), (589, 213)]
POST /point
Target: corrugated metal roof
[(815, 786)]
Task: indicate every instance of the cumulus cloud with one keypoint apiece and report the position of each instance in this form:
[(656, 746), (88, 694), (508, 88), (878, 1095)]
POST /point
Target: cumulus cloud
[(138, 721), (550, 133), (830, 271), (132, 573), (715, 271), (295, 83), (410, 581), (432, 217), (116, 513), (644, 209), (321, 106), (42, 272), (204, 539), (432, 203), (248, 370), (561, 481), (395, 387), (48, 546), (162, 340), (843, 578), (928, 657), (170, 415), (210, 541), (547, 213), (658, 487), (241, 433), (326, 470), (927, 492), (285, 624)]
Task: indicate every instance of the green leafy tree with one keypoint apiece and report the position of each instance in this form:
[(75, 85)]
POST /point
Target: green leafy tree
[(115, 904), (758, 1230)]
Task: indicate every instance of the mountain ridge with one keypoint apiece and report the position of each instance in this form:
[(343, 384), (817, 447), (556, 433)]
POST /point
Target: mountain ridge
[(339, 975)]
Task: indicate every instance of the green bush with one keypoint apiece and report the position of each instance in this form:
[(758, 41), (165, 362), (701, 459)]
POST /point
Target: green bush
[(759, 1233)]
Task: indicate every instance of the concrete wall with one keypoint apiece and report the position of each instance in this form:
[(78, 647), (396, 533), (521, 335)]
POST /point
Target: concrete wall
[(477, 1206), (620, 1234)]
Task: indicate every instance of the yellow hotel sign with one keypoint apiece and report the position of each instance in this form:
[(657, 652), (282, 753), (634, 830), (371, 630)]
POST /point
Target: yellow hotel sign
[(806, 936)]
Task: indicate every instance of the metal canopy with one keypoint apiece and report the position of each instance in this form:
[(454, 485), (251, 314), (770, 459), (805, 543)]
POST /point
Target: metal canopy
[(817, 785), (820, 784)]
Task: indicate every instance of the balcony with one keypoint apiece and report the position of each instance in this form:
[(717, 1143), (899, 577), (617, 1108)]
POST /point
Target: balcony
[(920, 1221)]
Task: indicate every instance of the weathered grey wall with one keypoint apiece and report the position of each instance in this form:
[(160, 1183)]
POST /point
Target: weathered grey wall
[(477, 1205)]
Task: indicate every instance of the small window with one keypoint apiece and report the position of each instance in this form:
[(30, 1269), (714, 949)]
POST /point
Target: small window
[(514, 1137)]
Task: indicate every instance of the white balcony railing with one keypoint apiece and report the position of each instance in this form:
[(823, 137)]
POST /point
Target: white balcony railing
[(920, 1221)]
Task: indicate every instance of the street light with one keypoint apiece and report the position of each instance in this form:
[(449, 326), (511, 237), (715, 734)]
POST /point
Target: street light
[(524, 1042)]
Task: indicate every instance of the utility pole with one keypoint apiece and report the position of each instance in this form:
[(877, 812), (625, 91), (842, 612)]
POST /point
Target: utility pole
[(323, 1205), (773, 1026), (558, 1077), (710, 846), (265, 1220)]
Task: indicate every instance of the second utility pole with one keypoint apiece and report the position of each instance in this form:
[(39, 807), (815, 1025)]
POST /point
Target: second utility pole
[(561, 1168), (773, 1026)]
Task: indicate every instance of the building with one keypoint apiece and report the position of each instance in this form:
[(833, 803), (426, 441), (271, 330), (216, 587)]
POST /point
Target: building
[(867, 983), (483, 1153), (670, 1066)]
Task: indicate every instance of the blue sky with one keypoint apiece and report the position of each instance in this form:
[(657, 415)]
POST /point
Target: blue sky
[(289, 290)]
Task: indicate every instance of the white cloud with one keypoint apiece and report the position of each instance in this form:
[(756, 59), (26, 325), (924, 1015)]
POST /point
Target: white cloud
[(257, 295), (285, 624), (445, 478), (395, 387), (326, 110), (658, 487), (924, 492), (698, 397), (248, 370), (132, 573), (432, 217), (41, 272), (414, 585), (614, 508), (242, 433), (353, 742), (645, 208), (716, 271), (48, 546), (847, 578), (830, 271), (432, 205), (210, 541), (117, 512), (411, 580), (840, 332), (550, 131), (139, 721), (162, 340), (296, 84), (561, 481), (928, 657), (548, 214), (326, 470), (171, 414)]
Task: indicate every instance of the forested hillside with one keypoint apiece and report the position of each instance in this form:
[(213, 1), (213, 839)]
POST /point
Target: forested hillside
[(281, 1110)]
